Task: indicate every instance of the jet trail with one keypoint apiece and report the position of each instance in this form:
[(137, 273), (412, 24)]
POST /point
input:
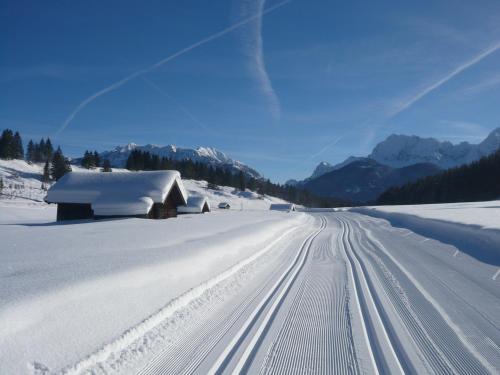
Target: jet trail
[(253, 48), (167, 59), (179, 105), (445, 79)]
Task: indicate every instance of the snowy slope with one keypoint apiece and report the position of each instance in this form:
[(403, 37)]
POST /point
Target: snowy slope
[(207, 155), (21, 180), (23, 183)]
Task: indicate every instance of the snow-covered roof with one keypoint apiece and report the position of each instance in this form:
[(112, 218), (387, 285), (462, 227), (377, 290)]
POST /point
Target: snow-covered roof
[(282, 207), (194, 204), (116, 193)]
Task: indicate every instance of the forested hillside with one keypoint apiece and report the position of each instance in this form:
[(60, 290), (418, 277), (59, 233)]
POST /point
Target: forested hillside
[(478, 181), (143, 160)]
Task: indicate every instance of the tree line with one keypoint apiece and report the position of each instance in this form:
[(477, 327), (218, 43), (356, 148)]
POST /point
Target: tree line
[(56, 164), (144, 160), (11, 145), (478, 181)]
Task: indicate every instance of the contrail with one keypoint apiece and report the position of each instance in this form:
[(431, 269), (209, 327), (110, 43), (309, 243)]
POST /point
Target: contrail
[(331, 144), (167, 59), (179, 105), (255, 52), (445, 79)]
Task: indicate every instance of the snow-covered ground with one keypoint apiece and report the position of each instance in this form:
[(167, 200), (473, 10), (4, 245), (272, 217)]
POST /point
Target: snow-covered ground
[(407, 289), (67, 289)]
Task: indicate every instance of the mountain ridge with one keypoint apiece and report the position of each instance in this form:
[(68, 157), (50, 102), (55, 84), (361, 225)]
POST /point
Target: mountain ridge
[(399, 150), (206, 155)]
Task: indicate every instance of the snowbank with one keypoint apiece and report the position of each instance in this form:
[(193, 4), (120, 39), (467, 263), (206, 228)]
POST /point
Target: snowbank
[(482, 214), (473, 227)]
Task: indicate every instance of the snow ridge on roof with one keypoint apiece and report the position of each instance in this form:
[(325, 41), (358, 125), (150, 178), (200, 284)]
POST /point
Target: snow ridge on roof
[(116, 193), (194, 204)]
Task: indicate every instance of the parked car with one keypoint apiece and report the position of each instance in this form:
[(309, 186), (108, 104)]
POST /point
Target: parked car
[(224, 206)]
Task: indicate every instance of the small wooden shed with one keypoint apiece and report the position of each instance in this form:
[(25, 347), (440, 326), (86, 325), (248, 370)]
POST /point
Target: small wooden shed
[(149, 194), (196, 204)]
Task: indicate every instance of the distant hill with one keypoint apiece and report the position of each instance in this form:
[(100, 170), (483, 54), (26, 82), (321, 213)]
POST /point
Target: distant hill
[(478, 181), (365, 179), (206, 155)]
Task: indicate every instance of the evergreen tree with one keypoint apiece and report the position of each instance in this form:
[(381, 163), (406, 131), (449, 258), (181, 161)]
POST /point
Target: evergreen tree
[(7, 148), (18, 150), (30, 151), (48, 150), (41, 151), (106, 166), (87, 160), (96, 159), (46, 172), (60, 165)]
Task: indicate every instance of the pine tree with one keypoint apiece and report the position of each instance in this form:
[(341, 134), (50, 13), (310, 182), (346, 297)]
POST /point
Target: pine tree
[(49, 150), (18, 150), (46, 172), (96, 159), (60, 165), (41, 151), (7, 148), (106, 166), (30, 151), (87, 161)]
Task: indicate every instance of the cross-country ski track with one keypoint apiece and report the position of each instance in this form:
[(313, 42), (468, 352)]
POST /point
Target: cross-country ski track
[(349, 294)]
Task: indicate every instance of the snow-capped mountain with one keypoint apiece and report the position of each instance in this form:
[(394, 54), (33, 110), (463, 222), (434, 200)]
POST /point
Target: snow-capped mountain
[(321, 169), (396, 160), (207, 155), (403, 150)]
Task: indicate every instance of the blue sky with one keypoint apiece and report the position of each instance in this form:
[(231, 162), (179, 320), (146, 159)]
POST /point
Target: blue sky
[(306, 82)]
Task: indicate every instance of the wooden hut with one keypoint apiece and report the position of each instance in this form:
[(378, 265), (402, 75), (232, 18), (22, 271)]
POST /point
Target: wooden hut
[(85, 195), (195, 205)]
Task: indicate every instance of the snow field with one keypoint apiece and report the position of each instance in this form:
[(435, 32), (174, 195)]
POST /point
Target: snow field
[(63, 299)]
